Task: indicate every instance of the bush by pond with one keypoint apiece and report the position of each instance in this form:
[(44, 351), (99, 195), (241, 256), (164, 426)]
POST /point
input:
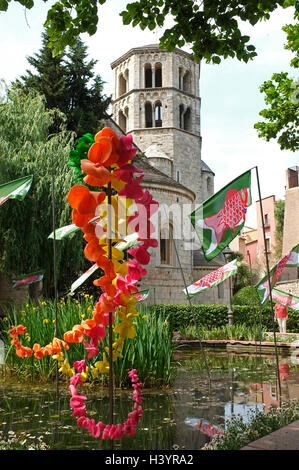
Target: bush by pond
[(149, 352), (238, 433), (215, 316)]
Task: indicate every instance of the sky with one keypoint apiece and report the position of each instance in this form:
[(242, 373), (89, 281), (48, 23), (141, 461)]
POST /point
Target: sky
[(230, 97)]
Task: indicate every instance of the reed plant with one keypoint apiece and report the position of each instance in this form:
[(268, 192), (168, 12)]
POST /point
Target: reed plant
[(150, 352), (239, 332)]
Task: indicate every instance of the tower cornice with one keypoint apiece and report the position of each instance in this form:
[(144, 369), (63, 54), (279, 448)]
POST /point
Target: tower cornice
[(153, 89)]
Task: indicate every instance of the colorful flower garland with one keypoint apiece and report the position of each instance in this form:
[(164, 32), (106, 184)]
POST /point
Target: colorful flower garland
[(109, 168)]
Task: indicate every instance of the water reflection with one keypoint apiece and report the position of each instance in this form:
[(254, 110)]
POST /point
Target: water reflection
[(183, 417)]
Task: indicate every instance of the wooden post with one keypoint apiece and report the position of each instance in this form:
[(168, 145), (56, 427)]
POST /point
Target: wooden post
[(111, 386), (269, 283)]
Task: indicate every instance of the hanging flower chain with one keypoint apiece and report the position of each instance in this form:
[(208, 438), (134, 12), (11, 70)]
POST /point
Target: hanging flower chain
[(112, 431), (108, 166)]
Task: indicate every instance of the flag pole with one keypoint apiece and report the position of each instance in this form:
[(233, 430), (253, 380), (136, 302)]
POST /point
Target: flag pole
[(54, 266), (269, 283), (111, 387), (191, 308)]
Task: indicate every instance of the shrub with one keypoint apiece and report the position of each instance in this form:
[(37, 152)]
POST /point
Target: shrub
[(214, 316)]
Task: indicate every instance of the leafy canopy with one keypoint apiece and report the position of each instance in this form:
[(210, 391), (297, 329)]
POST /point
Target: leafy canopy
[(210, 26), (25, 149)]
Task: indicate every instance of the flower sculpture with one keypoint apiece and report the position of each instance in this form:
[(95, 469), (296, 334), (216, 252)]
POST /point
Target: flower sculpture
[(116, 183)]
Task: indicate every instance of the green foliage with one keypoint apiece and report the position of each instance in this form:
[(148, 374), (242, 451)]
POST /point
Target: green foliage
[(279, 217), (282, 115), (68, 83), (150, 352), (239, 433), (215, 316), (246, 296), (211, 27), (239, 332), (26, 149)]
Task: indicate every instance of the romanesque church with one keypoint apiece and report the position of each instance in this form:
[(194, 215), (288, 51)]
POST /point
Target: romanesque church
[(156, 99)]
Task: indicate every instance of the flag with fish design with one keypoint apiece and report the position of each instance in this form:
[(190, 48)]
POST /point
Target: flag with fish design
[(28, 279), (16, 189), (221, 217), (285, 298), (212, 279), (141, 295), (291, 259)]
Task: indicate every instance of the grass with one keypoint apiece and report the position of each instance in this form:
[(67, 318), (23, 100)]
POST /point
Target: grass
[(234, 332), (238, 433), (149, 352)]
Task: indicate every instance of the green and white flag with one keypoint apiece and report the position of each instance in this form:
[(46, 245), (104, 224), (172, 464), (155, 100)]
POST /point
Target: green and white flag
[(284, 298), (142, 295), (16, 189), (64, 232), (212, 279), (291, 259), (221, 217)]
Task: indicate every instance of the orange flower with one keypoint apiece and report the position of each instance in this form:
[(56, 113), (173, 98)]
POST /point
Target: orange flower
[(85, 201), (75, 335), (38, 351), (93, 250), (17, 330), (101, 150), (97, 175)]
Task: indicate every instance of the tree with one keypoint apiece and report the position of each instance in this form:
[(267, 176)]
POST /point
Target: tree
[(26, 149), (86, 103), (68, 83), (279, 217), (282, 97), (211, 26)]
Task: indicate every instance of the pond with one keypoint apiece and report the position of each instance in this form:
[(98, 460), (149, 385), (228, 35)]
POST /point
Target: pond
[(174, 419)]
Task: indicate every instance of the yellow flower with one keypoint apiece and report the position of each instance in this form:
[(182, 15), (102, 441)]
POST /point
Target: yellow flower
[(65, 368), (84, 375), (44, 303), (26, 305), (125, 329), (83, 315), (143, 317), (45, 321), (59, 356), (27, 337), (71, 372), (53, 321), (94, 372), (86, 296), (103, 365), (5, 319)]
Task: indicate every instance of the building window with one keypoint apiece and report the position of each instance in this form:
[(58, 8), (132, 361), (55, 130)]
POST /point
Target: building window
[(122, 121), (166, 246), (266, 219), (268, 245), (148, 76), (187, 82), (220, 289), (187, 120), (148, 115), (180, 78), (178, 176), (158, 75), (158, 114), (181, 111)]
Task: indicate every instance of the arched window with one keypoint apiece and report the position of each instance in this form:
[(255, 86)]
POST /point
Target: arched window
[(180, 78), (148, 76), (122, 121), (181, 117), (148, 115), (166, 245), (122, 85), (187, 82), (187, 120), (158, 75), (158, 114)]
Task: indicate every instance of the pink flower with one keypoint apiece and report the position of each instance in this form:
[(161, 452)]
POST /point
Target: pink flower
[(126, 150), (135, 271), (80, 366), (91, 350)]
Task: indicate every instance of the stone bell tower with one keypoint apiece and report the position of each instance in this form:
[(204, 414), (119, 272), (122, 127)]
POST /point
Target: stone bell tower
[(156, 99)]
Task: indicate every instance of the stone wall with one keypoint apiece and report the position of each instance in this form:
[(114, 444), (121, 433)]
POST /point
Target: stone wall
[(291, 287)]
